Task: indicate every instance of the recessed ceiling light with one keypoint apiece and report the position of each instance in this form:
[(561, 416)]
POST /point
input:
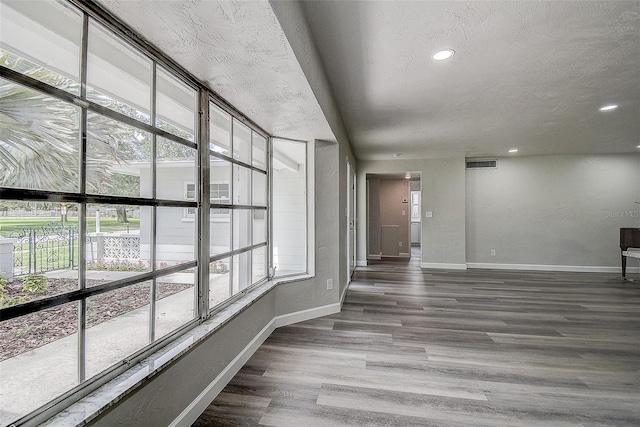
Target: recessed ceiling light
[(443, 54), (513, 150), (609, 107), (396, 155), (408, 175)]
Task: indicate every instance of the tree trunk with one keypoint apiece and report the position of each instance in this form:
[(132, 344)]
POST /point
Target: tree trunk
[(121, 211)]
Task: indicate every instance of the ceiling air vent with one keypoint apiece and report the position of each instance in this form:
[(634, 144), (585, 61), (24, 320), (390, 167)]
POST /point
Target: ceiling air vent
[(482, 163)]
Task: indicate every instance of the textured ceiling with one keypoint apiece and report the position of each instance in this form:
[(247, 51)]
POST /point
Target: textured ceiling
[(528, 75), (238, 49)]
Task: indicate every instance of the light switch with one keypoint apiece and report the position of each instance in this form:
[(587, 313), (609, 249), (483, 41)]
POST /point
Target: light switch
[(428, 214), (403, 213)]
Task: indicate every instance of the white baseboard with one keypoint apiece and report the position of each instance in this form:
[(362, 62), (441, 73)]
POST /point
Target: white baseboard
[(539, 267), (204, 399), (443, 265), (374, 257), (311, 313), (344, 294), (404, 255), (361, 263)]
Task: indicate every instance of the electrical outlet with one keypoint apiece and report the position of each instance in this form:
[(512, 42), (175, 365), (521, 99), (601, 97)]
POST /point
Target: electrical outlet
[(493, 252), (329, 284), (400, 244)]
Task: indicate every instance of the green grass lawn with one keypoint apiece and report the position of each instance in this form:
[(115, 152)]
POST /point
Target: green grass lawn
[(9, 224)]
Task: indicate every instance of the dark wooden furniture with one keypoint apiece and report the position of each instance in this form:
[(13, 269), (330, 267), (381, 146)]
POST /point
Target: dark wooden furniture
[(629, 238)]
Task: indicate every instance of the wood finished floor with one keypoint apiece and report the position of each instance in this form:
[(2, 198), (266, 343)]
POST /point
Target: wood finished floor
[(416, 347)]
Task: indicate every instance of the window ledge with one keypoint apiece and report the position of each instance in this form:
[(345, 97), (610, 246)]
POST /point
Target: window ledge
[(89, 407), (213, 219)]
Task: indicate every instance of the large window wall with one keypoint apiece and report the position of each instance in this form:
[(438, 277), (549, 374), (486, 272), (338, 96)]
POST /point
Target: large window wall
[(125, 227)]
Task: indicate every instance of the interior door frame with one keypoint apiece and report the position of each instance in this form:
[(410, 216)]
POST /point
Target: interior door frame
[(351, 220)]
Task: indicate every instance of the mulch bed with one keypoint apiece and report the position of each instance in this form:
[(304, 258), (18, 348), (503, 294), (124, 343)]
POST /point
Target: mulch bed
[(37, 329)]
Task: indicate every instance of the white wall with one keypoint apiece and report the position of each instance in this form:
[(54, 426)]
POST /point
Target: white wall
[(552, 210)]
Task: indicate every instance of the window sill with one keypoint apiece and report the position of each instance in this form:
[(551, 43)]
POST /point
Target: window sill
[(91, 406), (213, 219)]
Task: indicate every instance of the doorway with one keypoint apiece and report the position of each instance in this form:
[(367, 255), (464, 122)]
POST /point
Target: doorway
[(393, 216), (416, 219)]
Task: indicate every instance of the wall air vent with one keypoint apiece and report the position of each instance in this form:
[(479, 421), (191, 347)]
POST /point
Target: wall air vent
[(481, 163)]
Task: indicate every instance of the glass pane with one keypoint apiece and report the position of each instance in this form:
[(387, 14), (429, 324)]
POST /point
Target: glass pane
[(146, 215), (38, 250), (219, 130), (117, 326), (175, 301), (259, 151), (118, 158), (118, 77), (289, 207), (39, 140), (43, 350), (175, 237), (259, 226), (259, 184), (241, 185), (241, 228), (175, 106), (220, 182), (220, 227), (241, 142), (176, 167), (220, 235), (51, 33), (118, 239), (219, 281), (241, 271), (259, 264)]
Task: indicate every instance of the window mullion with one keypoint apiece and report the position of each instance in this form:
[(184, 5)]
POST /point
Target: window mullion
[(204, 194), (82, 214), (154, 210)]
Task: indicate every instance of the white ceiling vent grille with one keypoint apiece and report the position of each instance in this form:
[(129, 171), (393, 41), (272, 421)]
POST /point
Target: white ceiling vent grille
[(482, 163)]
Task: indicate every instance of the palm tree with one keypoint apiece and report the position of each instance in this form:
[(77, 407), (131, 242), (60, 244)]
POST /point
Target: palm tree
[(40, 137)]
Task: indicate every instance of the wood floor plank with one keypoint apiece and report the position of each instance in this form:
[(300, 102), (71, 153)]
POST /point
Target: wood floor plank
[(414, 347)]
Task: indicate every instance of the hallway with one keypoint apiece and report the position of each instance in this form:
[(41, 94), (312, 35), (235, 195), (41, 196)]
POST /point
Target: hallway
[(416, 347)]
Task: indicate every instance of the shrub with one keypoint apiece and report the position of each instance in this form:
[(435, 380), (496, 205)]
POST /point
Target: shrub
[(117, 265), (9, 301), (3, 289), (34, 284), (219, 268)]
